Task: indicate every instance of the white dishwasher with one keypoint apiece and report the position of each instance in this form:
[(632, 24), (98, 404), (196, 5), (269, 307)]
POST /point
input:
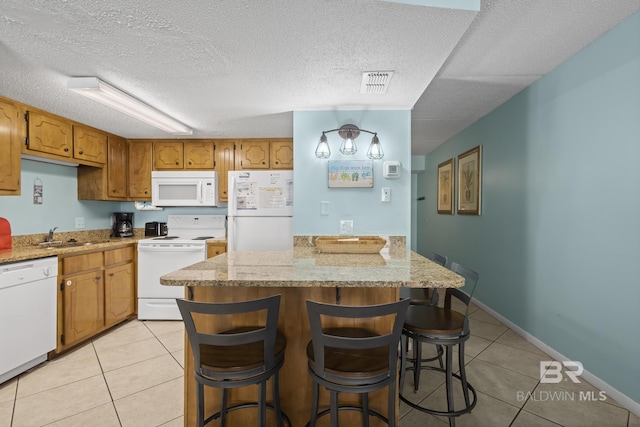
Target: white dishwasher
[(27, 314)]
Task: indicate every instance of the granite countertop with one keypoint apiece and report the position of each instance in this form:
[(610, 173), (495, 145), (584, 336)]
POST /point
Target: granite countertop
[(27, 247), (307, 267), (23, 253)]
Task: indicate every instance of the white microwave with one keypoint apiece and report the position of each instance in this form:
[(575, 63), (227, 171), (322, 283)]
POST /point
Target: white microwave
[(184, 188)]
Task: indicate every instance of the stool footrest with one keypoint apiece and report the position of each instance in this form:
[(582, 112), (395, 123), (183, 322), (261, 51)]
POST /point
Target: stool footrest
[(245, 406), (457, 413), (350, 408)]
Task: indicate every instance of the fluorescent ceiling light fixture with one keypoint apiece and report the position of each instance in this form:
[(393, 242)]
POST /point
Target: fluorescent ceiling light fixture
[(96, 89)]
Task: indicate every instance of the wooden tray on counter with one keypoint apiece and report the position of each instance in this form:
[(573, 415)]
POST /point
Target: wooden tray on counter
[(350, 244)]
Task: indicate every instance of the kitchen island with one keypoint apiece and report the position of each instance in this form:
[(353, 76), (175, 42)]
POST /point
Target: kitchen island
[(300, 274)]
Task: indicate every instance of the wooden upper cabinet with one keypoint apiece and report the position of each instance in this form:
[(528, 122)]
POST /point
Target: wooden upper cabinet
[(47, 134), (140, 161), (198, 154), (168, 155), (225, 162), (89, 144), (254, 154), (117, 167), (9, 149), (281, 154)]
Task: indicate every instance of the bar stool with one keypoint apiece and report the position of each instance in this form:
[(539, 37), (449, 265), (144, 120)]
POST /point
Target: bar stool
[(446, 327), (426, 296), (237, 357), (353, 359)]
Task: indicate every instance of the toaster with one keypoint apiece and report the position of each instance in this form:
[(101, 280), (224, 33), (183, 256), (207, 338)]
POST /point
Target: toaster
[(155, 228)]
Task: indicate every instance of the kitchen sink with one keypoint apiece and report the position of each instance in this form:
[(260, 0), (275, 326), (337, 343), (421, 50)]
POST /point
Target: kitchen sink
[(60, 244)]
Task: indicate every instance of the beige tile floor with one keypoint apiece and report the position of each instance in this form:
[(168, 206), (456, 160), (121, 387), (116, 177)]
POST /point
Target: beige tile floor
[(132, 376)]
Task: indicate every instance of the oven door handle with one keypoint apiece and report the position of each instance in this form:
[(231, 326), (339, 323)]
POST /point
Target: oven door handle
[(170, 248)]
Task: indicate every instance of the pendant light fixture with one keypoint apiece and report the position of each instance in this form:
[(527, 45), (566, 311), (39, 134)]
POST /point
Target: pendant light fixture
[(349, 133)]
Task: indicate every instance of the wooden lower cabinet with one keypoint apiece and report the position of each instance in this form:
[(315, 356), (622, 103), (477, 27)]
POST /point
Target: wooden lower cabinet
[(97, 291), (119, 285), (214, 249), (83, 306)]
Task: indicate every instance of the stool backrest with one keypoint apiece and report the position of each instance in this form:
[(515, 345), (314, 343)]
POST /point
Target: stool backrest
[(320, 339), (438, 259), (470, 282), (198, 335)]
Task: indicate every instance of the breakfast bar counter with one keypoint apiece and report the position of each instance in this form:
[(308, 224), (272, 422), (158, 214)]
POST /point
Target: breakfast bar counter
[(298, 275), (307, 267)]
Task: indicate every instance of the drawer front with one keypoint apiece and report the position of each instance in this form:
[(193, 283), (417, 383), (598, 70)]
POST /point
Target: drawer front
[(77, 263), (115, 256)]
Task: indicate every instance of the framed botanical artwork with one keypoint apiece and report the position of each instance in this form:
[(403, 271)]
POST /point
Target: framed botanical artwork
[(470, 181), (445, 187), (350, 173)]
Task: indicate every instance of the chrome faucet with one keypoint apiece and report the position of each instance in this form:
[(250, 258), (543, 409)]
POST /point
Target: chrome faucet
[(50, 236)]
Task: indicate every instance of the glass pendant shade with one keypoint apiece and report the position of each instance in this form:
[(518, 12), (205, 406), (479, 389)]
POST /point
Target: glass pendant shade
[(375, 149), (348, 146), (322, 150)]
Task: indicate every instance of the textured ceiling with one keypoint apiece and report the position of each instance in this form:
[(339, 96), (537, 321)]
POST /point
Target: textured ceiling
[(239, 68)]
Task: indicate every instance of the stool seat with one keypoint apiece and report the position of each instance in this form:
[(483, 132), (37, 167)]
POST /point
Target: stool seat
[(434, 320)]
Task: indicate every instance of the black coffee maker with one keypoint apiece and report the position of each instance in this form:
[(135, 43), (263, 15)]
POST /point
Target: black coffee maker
[(122, 224)]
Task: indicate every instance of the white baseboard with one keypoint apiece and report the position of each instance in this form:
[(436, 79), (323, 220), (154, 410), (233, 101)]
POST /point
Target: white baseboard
[(624, 400)]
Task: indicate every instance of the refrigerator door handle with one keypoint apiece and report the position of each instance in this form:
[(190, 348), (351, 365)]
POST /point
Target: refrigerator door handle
[(232, 195)]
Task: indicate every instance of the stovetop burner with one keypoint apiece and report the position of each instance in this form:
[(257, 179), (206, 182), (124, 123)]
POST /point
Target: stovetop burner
[(166, 238), (203, 238)]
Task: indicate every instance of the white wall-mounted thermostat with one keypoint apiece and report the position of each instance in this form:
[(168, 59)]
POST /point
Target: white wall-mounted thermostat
[(391, 169)]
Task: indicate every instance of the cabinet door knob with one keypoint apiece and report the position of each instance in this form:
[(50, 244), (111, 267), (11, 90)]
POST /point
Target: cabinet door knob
[(81, 152), (66, 149)]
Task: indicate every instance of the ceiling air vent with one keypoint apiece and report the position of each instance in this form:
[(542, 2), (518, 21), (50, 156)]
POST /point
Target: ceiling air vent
[(375, 81)]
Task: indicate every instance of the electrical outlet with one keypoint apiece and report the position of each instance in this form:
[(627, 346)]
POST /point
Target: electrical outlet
[(386, 195), (346, 226), (79, 222), (324, 208)]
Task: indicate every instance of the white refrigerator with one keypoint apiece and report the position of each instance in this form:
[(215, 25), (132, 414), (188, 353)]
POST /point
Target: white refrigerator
[(260, 210)]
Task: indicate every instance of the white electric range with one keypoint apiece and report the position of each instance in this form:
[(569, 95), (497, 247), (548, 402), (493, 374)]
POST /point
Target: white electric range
[(185, 244)]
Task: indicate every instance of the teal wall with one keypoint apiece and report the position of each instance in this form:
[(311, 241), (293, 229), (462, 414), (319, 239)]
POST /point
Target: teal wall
[(558, 243), (362, 205)]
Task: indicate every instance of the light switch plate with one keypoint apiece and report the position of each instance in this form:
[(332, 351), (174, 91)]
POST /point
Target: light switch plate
[(79, 222), (386, 195)]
